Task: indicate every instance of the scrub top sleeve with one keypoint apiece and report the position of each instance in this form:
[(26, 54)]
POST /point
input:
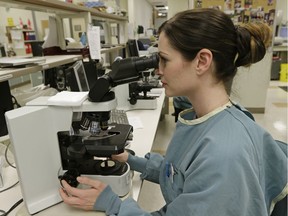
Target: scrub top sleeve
[(149, 167), (112, 205), (129, 207), (108, 202), (137, 163)]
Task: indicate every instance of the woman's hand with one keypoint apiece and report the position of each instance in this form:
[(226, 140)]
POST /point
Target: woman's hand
[(123, 157), (82, 198)]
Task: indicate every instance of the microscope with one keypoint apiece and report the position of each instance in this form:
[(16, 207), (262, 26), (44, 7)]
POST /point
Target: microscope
[(137, 95), (132, 93), (53, 142)]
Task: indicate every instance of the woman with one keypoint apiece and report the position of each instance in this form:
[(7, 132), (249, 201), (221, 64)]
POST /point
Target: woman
[(219, 161)]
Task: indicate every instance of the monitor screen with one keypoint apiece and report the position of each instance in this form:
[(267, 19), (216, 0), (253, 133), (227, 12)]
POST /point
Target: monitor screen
[(76, 77), (284, 32), (132, 48)]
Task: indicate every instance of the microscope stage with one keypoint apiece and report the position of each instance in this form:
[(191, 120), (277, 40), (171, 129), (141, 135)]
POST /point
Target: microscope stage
[(80, 147)]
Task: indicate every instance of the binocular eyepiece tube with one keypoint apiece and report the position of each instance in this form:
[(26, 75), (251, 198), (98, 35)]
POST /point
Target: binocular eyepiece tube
[(123, 71)]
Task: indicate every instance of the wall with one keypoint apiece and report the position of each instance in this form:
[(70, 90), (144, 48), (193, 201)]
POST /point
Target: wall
[(282, 5), (176, 6), (41, 17), (159, 21), (140, 13), (250, 85)]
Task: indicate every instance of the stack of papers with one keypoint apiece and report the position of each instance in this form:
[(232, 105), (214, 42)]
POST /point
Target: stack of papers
[(67, 98)]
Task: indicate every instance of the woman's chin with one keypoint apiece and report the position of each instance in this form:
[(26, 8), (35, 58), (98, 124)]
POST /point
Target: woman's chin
[(168, 93)]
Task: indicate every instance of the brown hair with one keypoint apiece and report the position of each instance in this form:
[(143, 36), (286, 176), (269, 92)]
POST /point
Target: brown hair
[(192, 30)]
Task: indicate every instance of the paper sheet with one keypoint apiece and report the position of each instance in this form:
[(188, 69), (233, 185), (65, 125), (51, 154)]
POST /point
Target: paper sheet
[(94, 42), (18, 44), (16, 34), (135, 122)]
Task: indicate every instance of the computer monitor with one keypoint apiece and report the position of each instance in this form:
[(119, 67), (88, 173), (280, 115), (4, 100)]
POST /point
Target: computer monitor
[(76, 77), (284, 32), (132, 48)]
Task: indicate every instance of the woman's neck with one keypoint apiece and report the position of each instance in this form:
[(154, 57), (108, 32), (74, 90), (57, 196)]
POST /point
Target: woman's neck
[(209, 99)]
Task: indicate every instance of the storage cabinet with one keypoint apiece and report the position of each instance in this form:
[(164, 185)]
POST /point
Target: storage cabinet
[(21, 40)]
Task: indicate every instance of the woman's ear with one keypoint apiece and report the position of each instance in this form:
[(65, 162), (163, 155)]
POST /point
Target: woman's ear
[(203, 60)]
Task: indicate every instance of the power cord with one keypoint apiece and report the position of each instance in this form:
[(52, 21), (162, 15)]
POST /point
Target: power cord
[(11, 209), (10, 164), (9, 187), (2, 212), (15, 102), (6, 156)]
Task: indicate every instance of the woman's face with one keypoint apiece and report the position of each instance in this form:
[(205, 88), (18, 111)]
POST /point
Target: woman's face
[(176, 73)]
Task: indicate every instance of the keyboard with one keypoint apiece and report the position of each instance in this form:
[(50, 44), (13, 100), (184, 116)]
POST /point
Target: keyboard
[(118, 116)]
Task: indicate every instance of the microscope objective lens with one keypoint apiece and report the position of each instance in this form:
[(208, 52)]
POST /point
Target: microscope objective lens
[(85, 123), (94, 127)]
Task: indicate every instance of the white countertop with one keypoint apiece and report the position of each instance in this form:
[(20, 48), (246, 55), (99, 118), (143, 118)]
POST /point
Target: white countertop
[(281, 48)]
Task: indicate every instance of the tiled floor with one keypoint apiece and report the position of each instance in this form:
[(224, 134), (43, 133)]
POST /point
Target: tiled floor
[(274, 120)]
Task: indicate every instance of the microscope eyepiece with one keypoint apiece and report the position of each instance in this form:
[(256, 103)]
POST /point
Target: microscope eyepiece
[(130, 69), (123, 71), (145, 63)]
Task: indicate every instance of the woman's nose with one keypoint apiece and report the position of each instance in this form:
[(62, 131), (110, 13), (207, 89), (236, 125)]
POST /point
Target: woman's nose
[(158, 71)]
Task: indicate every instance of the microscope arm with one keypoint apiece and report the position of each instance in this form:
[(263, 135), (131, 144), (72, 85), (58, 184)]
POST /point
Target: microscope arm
[(123, 71)]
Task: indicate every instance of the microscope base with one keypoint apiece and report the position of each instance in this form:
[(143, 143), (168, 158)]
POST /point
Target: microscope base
[(120, 184)]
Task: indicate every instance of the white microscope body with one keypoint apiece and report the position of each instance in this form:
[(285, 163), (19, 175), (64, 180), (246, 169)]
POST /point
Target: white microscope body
[(33, 132)]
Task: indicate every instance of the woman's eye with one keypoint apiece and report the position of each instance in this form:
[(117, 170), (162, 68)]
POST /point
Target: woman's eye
[(162, 61)]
